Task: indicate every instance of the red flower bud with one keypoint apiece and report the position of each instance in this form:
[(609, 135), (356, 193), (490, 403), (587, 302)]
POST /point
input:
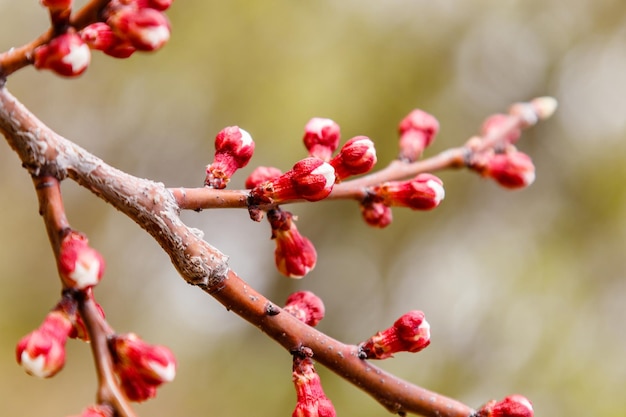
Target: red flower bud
[(510, 169), (495, 122), (357, 156), (376, 214), (57, 5), (410, 333), (42, 352), (261, 175), (311, 400), (306, 307), (80, 266), (295, 255), (67, 55), (156, 364), (98, 36), (233, 149), (160, 5), (310, 179), (146, 29), (134, 385), (512, 406), (99, 410), (423, 192), (321, 137), (417, 130)]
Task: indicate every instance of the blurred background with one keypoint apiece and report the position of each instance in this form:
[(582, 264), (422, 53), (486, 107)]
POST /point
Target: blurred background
[(525, 291)]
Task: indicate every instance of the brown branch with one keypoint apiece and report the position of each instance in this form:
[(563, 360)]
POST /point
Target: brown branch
[(99, 331), (154, 208)]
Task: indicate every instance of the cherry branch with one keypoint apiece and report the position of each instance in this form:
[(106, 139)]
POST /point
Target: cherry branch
[(153, 208)]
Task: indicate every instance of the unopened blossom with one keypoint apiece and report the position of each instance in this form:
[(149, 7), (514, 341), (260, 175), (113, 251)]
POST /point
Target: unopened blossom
[(156, 364), (410, 333), (376, 214), (321, 137), (424, 192), (311, 399), (80, 266), (417, 130), (262, 174), (512, 406), (66, 54), (310, 179), (233, 149), (357, 156), (57, 5), (497, 122), (160, 5), (42, 352), (295, 255), (306, 307), (147, 29), (511, 169), (99, 410)]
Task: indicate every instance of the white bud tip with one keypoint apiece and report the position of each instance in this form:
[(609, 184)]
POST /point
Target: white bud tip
[(316, 124), (86, 272), (165, 373), (78, 57), (440, 193), (328, 172), (34, 366), (246, 138), (545, 106), (155, 36)]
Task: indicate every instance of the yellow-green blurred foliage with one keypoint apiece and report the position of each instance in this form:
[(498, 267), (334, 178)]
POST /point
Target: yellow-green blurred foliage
[(525, 291)]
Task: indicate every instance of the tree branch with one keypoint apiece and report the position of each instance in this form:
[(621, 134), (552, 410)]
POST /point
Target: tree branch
[(154, 208)]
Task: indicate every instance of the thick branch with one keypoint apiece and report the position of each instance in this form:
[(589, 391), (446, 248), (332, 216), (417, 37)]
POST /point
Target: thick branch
[(154, 208)]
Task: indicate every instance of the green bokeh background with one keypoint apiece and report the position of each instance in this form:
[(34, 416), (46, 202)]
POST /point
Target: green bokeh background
[(525, 291)]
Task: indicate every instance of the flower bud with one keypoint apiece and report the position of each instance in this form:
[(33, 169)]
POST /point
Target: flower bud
[(160, 5), (495, 122), (410, 333), (423, 192), (357, 156), (376, 214), (66, 54), (147, 29), (417, 130), (80, 266), (134, 385), (306, 307), (57, 5), (42, 352), (261, 175), (156, 364), (295, 255), (310, 179), (311, 400), (98, 36), (512, 406), (321, 137), (99, 410), (233, 149), (511, 169)]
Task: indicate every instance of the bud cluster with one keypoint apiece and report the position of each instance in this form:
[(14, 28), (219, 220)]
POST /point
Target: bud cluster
[(127, 26), (233, 149), (505, 164), (410, 333), (141, 367)]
